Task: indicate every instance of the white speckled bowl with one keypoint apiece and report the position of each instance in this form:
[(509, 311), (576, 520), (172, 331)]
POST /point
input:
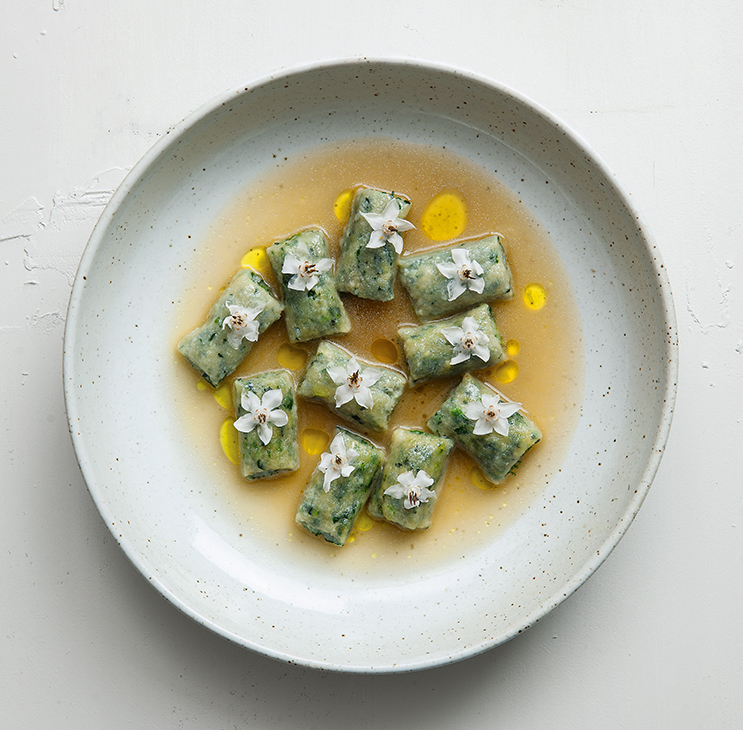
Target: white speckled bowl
[(143, 477)]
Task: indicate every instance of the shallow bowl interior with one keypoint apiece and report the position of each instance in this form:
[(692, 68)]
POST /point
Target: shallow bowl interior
[(153, 493)]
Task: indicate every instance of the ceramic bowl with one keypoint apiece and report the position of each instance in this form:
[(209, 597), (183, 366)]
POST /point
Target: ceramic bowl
[(155, 494)]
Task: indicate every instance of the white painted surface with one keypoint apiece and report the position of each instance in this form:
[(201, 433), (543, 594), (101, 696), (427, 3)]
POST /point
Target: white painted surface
[(654, 639)]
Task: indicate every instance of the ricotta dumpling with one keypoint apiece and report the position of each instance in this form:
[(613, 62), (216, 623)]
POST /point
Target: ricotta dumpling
[(371, 243), (456, 277), (494, 431), (340, 486), (305, 271), (362, 393), (467, 341), (244, 310), (266, 419), (411, 479)]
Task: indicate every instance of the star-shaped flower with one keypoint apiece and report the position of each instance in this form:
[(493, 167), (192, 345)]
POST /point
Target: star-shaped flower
[(262, 413), (490, 414), (304, 269), (338, 462), (241, 323), (385, 227), (354, 382), (412, 488), (463, 273), (468, 340)]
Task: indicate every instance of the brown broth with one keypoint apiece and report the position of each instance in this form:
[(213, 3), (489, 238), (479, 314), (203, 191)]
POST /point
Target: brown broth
[(301, 192)]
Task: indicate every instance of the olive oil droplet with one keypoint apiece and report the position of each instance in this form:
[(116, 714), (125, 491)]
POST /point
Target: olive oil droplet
[(512, 347), (342, 205), (228, 439), (291, 357), (314, 441), (506, 372), (478, 478), (445, 216), (384, 351), (535, 296), (257, 259), (223, 396)]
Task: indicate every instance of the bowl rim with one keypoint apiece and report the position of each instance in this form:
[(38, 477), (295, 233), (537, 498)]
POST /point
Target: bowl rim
[(177, 131)]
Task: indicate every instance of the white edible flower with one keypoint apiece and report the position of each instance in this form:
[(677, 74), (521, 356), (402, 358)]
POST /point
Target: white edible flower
[(468, 340), (242, 324), (338, 462), (262, 413), (354, 382), (413, 488), (304, 269), (491, 414), (385, 227), (462, 273)]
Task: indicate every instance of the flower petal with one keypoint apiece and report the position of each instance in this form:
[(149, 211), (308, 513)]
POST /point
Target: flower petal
[(370, 376), (501, 426), (396, 240), (250, 401), (278, 417), (423, 479), (272, 399), (265, 432), (391, 210), (470, 325), (375, 220), (461, 356), (297, 283), (234, 338), (324, 265), (364, 397), (330, 475), (448, 269), (473, 411), (455, 287), (461, 257), (482, 352), (476, 285), (338, 446), (291, 264), (310, 282), (343, 394), (246, 423), (509, 408), (397, 490), (376, 239), (482, 427), (453, 334), (403, 225), (337, 374)]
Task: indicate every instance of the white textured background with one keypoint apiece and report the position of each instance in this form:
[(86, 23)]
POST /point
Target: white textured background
[(653, 640)]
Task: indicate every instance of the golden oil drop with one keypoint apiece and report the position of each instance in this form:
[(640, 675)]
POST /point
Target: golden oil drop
[(342, 205), (223, 396), (384, 350), (512, 348), (478, 478), (257, 259), (365, 522), (314, 441), (228, 436), (535, 296), (445, 216), (293, 358), (506, 372)]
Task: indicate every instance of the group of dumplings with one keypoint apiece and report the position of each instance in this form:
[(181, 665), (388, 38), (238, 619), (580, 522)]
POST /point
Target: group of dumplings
[(401, 486)]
